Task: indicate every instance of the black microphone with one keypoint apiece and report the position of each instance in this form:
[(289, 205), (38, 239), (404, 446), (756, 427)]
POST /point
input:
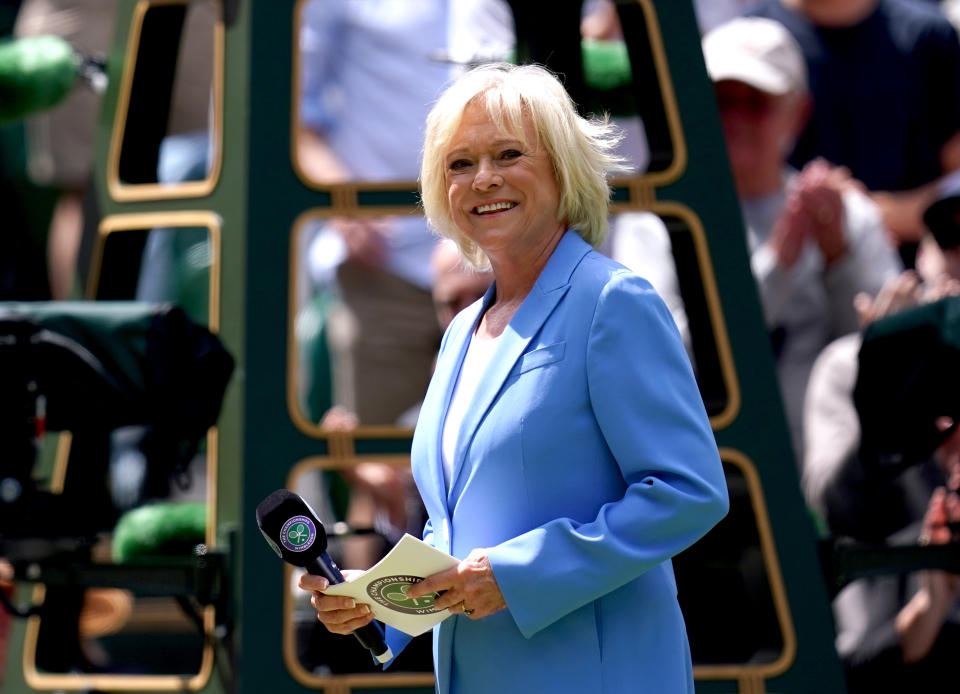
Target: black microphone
[(295, 533)]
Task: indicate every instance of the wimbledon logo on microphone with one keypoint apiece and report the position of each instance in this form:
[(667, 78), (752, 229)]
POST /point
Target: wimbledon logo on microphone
[(298, 533)]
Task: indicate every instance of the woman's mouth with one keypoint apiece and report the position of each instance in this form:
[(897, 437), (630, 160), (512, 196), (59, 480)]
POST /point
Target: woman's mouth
[(493, 207)]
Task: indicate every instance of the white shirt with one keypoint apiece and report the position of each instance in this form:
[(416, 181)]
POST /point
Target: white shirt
[(479, 355)]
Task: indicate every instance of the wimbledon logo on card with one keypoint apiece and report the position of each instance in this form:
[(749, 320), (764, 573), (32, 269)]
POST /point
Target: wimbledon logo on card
[(391, 591)]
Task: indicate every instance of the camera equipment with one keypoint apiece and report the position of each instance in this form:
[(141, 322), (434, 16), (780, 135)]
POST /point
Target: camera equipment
[(88, 368)]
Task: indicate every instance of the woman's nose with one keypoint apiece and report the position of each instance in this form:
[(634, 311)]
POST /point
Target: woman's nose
[(487, 178)]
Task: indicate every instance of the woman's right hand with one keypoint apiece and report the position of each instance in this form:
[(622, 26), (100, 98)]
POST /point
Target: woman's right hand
[(339, 614)]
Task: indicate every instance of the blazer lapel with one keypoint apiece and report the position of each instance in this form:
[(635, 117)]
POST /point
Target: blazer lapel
[(550, 287), (445, 377)]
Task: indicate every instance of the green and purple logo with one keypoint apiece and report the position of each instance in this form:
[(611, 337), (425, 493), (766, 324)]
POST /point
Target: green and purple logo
[(391, 591)]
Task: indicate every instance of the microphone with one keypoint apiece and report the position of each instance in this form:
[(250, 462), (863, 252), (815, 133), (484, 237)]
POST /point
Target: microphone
[(295, 533)]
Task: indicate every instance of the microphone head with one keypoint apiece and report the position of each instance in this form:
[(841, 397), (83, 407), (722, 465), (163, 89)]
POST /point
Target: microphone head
[(291, 528)]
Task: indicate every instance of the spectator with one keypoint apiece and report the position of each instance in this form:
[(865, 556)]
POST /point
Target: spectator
[(815, 240), (894, 633), (455, 286), (831, 426), (885, 78), (368, 78)]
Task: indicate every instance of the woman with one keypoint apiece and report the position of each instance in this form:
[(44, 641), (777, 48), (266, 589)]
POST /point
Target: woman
[(562, 449)]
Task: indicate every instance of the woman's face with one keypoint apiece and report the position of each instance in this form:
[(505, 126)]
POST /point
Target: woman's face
[(503, 196)]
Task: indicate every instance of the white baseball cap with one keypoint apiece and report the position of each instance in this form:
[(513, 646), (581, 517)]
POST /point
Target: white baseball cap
[(756, 51)]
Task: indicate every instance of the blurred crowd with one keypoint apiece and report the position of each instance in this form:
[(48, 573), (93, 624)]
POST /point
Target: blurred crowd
[(841, 120), (842, 125)]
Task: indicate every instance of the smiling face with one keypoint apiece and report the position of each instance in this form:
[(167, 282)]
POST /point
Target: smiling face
[(503, 194)]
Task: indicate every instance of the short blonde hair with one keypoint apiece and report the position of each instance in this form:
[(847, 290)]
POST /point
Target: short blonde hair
[(581, 150)]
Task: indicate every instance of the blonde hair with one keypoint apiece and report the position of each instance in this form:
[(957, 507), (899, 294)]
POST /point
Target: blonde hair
[(581, 150)]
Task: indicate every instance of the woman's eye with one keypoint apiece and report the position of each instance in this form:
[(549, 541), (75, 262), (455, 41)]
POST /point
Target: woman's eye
[(510, 154), (459, 164)]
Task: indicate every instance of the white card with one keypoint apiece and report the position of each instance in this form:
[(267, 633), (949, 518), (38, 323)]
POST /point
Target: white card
[(384, 586)]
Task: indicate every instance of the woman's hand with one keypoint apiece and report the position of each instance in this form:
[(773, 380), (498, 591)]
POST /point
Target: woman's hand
[(469, 587), (339, 614)]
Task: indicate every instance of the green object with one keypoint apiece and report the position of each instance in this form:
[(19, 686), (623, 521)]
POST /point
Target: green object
[(607, 75), (606, 64), (161, 529), (35, 74)]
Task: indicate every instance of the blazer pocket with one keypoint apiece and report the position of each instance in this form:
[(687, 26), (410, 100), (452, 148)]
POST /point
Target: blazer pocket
[(541, 357)]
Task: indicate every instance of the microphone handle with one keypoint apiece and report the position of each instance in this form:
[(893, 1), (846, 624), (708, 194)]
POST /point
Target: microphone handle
[(325, 566), (371, 635)]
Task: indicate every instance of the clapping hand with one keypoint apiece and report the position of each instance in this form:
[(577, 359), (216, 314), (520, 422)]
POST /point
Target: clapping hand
[(939, 523), (902, 292), (919, 622), (813, 212), (942, 518)]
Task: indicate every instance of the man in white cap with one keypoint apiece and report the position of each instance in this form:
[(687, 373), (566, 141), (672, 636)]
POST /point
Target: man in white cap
[(815, 240), (885, 78)]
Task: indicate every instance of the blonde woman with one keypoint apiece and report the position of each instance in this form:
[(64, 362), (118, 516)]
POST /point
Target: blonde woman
[(563, 452)]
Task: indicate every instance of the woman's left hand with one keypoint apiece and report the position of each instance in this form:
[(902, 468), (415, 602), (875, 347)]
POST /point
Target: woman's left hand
[(469, 587)]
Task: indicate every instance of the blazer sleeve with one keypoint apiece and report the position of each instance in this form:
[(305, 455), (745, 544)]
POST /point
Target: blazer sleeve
[(648, 407)]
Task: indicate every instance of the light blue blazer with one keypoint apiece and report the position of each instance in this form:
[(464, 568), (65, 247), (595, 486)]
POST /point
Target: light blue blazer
[(584, 464)]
